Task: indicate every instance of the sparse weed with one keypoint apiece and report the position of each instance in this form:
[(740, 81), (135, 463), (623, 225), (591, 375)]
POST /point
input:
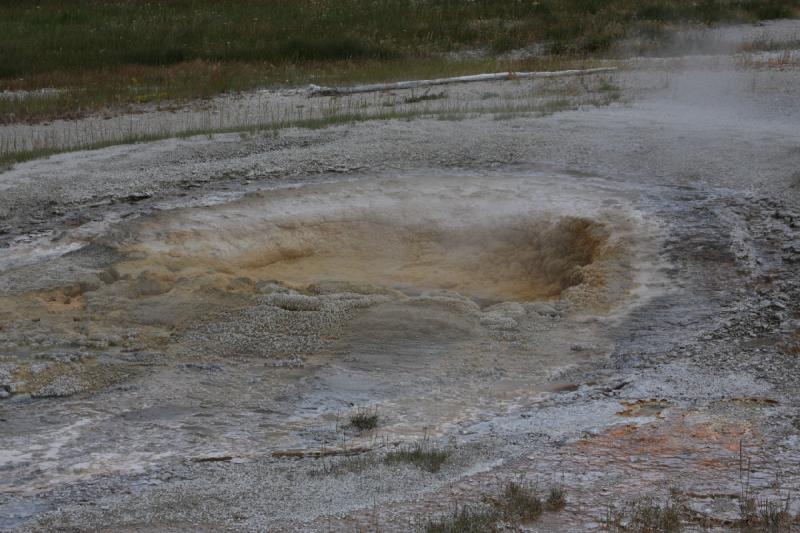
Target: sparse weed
[(645, 515), (760, 514), (353, 464), (556, 499), (764, 44)]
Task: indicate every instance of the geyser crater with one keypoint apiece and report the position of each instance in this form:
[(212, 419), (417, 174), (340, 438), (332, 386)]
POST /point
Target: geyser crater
[(487, 252)]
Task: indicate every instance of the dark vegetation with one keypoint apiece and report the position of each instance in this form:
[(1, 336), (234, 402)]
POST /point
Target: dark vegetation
[(119, 52), (556, 499), (465, 519), (520, 502), (421, 454), (517, 503), (364, 419)]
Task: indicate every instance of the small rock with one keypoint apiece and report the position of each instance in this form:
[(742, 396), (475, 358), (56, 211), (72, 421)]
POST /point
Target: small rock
[(581, 348), (139, 196)]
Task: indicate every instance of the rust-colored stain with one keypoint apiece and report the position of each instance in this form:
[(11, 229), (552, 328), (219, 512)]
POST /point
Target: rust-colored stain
[(757, 402), (686, 439), (621, 431)]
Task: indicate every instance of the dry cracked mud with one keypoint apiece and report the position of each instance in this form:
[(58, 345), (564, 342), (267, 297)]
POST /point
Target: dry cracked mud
[(605, 298)]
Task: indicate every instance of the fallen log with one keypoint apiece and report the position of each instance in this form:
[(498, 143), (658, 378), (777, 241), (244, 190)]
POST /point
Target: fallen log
[(319, 453), (214, 459), (316, 90)]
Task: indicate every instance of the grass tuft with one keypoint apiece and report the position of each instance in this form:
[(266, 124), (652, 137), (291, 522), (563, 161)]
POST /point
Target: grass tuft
[(465, 519), (422, 454), (364, 419), (556, 499), (520, 502), (516, 503)]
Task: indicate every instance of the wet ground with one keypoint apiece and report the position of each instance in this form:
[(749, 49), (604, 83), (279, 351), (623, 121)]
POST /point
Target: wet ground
[(604, 298)]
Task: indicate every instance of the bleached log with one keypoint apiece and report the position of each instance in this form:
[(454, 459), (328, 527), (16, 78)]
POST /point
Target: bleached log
[(316, 90), (319, 453)]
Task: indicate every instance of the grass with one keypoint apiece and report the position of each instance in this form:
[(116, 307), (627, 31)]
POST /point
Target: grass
[(127, 88), (517, 503), (465, 519), (520, 502), (760, 514), (364, 419), (764, 515), (556, 499), (116, 53), (421, 454)]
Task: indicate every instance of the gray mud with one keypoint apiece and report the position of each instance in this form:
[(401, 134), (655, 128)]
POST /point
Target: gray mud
[(605, 297)]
